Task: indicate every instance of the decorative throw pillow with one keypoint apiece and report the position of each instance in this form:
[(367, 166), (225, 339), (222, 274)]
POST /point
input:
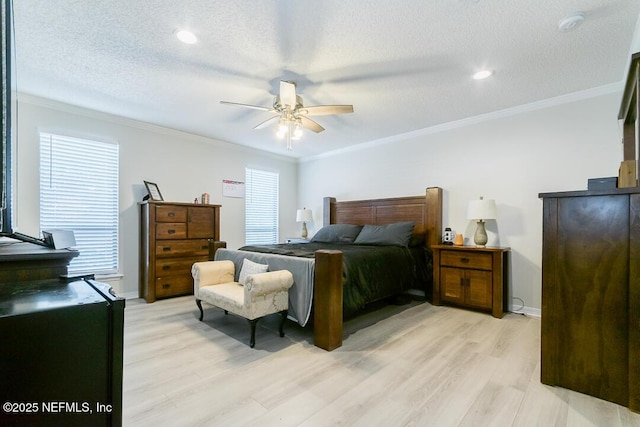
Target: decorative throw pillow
[(250, 267), (396, 234), (337, 233)]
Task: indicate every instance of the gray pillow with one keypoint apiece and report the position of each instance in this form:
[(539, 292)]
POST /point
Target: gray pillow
[(396, 234), (337, 233), (250, 267)]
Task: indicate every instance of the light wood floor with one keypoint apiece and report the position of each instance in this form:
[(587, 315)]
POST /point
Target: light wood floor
[(412, 365)]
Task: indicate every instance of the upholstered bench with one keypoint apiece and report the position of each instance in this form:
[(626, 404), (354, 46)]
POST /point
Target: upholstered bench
[(253, 296)]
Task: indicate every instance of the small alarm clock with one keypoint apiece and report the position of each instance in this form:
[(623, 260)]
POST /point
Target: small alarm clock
[(448, 237)]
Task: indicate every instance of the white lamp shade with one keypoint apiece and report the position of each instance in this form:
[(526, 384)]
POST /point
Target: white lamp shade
[(481, 209), (304, 215)]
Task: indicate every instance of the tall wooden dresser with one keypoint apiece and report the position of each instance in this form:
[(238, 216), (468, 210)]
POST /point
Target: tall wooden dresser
[(173, 237), (591, 293)]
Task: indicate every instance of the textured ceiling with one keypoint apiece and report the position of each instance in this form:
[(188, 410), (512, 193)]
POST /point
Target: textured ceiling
[(405, 65)]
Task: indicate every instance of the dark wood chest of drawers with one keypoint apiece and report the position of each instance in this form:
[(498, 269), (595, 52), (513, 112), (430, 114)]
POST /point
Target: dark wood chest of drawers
[(591, 293), (173, 237)]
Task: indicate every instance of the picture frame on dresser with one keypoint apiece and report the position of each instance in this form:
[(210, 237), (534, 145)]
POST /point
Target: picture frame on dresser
[(153, 191)]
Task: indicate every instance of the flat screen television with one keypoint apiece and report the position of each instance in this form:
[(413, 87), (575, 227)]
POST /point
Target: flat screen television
[(5, 157), (6, 227)]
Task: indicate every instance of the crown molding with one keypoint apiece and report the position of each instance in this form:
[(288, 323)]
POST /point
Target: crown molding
[(26, 98), (495, 115)]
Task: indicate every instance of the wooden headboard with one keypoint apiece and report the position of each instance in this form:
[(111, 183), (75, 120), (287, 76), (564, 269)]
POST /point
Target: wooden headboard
[(425, 211)]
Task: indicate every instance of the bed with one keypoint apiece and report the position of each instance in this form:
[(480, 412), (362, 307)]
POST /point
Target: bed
[(329, 274)]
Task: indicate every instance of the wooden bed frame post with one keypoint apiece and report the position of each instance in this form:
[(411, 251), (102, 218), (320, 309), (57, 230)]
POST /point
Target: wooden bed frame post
[(327, 300), (434, 216), (328, 210)]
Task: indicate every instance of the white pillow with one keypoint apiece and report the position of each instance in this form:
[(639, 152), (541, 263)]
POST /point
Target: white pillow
[(250, 267)]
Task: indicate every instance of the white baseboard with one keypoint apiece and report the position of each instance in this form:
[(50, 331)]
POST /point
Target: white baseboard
[(513, 308), (528, 311), (129, 295)]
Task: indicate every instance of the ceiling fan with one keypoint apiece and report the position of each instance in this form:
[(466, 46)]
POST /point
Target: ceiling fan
[(292, 115)]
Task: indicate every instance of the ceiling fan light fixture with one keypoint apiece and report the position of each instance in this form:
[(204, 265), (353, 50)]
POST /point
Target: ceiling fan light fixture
[(186, 36), (291, 115), (482, 74), (283, 126)]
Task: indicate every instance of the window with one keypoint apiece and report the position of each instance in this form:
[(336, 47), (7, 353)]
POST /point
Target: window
[(79, 192), (261, 206)]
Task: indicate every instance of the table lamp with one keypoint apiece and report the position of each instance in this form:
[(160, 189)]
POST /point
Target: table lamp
[(481, 210), (304, 215)]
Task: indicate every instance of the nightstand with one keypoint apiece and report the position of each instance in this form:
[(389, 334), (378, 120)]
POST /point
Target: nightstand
[(296, 240), (471, 277)]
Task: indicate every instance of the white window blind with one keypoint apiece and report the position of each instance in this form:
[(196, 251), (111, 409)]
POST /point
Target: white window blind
[(261, 206), (79, 192)]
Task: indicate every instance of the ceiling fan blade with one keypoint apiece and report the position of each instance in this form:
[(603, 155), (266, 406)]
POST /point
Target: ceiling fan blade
[(326, 110), (310, 124), (255, 107), (266, 122), (288, 94)]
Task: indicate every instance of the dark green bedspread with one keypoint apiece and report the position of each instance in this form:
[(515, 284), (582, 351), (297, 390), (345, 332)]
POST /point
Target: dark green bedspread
[(370, 273)]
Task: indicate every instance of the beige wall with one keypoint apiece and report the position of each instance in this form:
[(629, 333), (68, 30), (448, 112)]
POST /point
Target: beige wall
[(184, 166), (510, 156)]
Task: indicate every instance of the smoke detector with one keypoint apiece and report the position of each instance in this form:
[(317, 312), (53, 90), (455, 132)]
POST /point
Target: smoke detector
[(571, 22)]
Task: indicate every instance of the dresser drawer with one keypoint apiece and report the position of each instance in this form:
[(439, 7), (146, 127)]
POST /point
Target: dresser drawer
[(172, 286), (171, 214), (182, 248), (171, 230), (176, 266), (466, 259)]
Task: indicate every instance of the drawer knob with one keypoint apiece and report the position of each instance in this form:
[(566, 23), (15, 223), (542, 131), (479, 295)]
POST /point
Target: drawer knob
[(464, 260), (171, 231), (166, 249), (171, 214), (166, 286), (166, 267)]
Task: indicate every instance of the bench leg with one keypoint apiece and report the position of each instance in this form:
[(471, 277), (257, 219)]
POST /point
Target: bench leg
[(252, 324), (284, 317), (199, 304)]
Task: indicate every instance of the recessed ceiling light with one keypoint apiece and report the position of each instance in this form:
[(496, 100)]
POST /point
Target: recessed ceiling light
[(186, 36), (483, 74), (571, 22)]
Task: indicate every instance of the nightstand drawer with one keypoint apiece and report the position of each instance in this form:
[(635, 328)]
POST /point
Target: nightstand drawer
[(466, 259)]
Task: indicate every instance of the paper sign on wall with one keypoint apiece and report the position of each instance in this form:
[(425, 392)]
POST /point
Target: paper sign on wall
[(232, 188)]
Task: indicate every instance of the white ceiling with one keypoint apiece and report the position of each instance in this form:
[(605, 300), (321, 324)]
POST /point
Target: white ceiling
[(405, 65)]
